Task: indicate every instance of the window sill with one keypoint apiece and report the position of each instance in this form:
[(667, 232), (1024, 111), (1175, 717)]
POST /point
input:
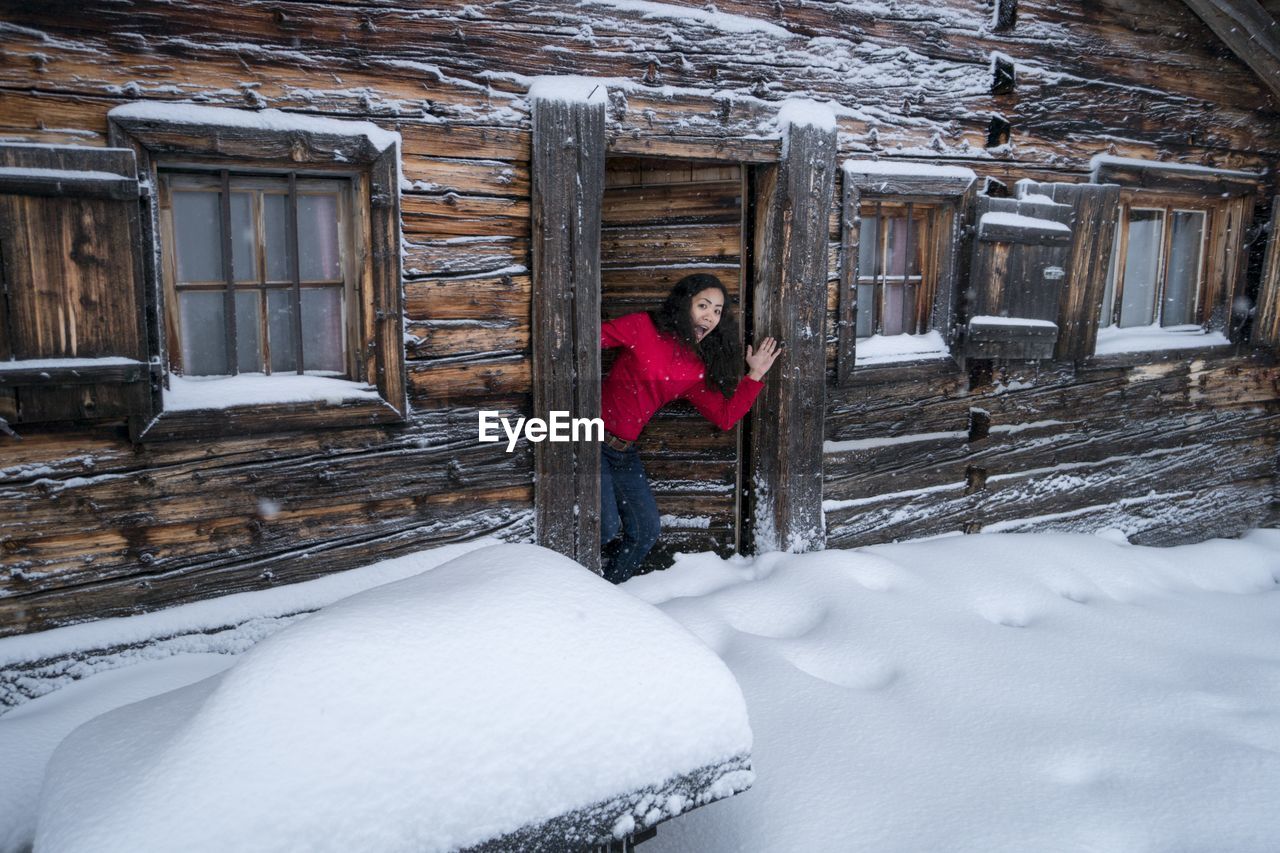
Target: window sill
[(930, 367), (1148, 345), (267, 417), (71, 371)]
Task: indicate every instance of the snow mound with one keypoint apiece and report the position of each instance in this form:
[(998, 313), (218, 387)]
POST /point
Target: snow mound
[(505, 689)]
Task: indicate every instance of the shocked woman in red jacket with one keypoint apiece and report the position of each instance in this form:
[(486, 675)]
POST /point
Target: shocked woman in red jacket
[(688, 349)]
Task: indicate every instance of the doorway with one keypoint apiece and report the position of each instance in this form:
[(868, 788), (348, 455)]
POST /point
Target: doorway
[(663, 219)]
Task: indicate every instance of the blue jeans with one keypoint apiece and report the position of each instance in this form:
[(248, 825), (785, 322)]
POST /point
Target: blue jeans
[(626, 504)]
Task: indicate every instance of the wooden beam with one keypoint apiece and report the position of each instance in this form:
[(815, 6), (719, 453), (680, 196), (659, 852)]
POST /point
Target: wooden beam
[(567, 197), (789, 299), (1266, 321), (1249, 30)]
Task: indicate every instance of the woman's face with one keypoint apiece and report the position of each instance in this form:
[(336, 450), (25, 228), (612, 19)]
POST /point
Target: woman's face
[(705, 311)]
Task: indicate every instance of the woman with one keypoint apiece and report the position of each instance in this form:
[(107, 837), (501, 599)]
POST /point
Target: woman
[(688, 349)]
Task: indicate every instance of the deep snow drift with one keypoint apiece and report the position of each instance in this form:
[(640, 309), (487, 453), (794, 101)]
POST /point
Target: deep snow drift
[(1045, 692), (505, 688)]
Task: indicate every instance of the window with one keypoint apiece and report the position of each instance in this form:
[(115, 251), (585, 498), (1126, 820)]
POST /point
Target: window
[(1176, 275), (896, 268), (275, 290), (279, 310), (899, 246), (1157, 268)]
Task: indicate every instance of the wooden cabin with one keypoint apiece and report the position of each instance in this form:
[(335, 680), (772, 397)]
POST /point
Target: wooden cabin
[(264, 264)]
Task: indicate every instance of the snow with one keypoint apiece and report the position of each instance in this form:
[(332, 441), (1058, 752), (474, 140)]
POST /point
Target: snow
[(1018, 220), (801, 111), (253, 389), (1049, 692), (722, 21), (569, 88), (61, 174), (995, 692), (886, 349), (272, 120), (1113, 339), (65, 363), (991, 320), (906, 168), (502, 689)]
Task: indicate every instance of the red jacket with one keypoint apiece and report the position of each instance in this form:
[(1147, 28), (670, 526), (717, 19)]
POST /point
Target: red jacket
[(653, 370)]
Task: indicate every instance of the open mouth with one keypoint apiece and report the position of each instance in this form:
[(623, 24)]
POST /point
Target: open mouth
[(700, 331)]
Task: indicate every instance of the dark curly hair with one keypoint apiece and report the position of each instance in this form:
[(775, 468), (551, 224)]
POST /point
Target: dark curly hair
[(720, 350)]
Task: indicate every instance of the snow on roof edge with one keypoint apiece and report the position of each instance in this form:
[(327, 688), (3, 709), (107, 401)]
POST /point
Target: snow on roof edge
[(905, 167), (1114, 160), (1018, 220), (270, 119)]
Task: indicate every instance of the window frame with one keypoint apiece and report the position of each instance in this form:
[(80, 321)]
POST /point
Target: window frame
[(948, 195), (350, 241), (233, 140), (1226, 198)]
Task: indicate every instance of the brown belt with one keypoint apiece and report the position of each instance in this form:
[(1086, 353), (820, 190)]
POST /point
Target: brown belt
[(617, 443)]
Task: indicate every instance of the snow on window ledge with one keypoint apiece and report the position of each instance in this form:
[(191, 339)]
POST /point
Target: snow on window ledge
[(255, 389), (890, 349), (1113, 339)]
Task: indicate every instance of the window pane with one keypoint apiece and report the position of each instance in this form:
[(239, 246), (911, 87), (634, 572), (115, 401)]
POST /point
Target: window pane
[(893, 308), (275, 211), (204, 332), (318, 237), (869, 246), (1108, 295), (896, 248), (244, 243), (866, 309), (197, 227), (1183, 280), (280, 330), (322, 329), (249, 331), (1141, 266)]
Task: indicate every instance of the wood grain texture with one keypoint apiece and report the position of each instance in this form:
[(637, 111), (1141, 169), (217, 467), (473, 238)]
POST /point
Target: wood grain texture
[(790, 301), (568, 188)]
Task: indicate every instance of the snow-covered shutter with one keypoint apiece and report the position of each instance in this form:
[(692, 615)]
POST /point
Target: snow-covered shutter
[(1022, 250), (73, 332), (1266, 320)]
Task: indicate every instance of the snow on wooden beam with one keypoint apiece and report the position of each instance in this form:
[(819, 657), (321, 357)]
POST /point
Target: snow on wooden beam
[(567, 197), (1249, 31), (789, 298)]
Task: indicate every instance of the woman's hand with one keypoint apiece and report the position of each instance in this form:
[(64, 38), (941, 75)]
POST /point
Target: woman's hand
[(762, 359)]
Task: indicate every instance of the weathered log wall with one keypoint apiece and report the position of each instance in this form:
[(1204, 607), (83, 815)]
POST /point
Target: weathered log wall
[(92, 526)]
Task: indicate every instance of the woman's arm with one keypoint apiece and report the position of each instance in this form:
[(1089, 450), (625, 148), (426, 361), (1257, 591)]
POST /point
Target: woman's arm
[(723, 411)]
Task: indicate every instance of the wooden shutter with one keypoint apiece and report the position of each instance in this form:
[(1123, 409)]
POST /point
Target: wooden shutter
[(1093, 227), (1020, 258), (73, 335), (1266, 321)]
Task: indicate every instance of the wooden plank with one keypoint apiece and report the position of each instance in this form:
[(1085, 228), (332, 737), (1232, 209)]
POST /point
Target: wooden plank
[(669, 204), (506, 297), (1266, 323), (568, 187), (846, 318), (790, 296), (640, 246)]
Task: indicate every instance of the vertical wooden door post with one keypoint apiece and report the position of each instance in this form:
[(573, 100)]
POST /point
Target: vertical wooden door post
[(568, 188), (789, 301)]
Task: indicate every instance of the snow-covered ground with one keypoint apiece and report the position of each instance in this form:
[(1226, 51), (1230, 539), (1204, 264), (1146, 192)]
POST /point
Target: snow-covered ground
[(1044, 692)]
